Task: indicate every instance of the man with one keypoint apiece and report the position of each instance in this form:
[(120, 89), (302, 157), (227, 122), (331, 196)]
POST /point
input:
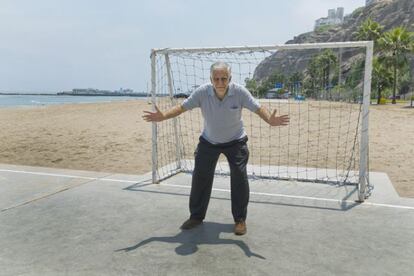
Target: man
[(221, 104)]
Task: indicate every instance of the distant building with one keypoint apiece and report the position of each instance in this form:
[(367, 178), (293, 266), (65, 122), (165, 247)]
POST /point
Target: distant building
[(335, 17), (89, 91), (340, 14), (99, 92), (85, 90), (277, 93), (123, 90)]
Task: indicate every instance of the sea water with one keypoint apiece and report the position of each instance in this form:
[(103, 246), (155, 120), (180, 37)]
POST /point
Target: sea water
[(42, 100)]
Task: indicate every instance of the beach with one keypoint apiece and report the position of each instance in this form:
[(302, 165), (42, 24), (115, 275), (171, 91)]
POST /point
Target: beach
[(107, 137), (113, 138)]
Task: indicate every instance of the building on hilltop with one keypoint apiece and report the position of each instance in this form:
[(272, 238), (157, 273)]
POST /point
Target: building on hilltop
[(335, 17)]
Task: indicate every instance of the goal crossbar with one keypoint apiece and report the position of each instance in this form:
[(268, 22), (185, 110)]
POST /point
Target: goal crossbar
[(325, 45)]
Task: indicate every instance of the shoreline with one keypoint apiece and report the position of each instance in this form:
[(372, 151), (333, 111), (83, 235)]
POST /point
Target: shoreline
[(35, 101)]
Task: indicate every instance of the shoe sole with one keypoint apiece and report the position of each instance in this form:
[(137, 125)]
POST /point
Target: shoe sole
[(189, 228)]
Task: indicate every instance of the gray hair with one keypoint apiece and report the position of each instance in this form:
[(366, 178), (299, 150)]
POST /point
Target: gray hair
[(220, 65)]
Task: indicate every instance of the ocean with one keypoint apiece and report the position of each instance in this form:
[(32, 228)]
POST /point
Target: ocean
[(43, 100)]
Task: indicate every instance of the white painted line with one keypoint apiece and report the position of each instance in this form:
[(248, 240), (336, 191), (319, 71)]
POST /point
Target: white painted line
[(72, 176), (389, 205), (216, 189), (305, 197), (49, 174), (269, 194)]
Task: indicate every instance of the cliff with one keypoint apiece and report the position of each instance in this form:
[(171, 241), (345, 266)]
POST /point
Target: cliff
[(389, 13)]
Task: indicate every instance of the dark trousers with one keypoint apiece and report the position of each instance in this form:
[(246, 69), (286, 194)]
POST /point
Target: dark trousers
[(206, 157)]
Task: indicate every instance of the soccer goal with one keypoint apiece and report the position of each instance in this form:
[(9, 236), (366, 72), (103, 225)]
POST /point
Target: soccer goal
[(323, 87)]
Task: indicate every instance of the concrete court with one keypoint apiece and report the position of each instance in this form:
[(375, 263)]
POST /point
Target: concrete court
[(65, 222)]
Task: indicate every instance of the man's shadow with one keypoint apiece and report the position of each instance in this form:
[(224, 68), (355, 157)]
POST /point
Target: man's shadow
[(188, 240)]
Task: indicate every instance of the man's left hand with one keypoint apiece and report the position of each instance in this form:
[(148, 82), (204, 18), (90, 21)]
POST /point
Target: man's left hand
[(278, 120)]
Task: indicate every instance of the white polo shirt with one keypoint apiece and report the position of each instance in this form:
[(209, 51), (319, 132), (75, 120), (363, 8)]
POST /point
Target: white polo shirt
[(222, 118)]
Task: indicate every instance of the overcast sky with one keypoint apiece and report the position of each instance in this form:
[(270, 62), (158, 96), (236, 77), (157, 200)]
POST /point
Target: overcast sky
[(55, 45)]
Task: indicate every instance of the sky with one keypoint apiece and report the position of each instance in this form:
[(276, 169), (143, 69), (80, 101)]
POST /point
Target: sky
[(57, 45)]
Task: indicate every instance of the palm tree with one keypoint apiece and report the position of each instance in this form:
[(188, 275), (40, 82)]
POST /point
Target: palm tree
[(318, 73), (251, 85), (295, 81), (327, 60), (381, 77), (313, 78), (396, 44), (369, 30)]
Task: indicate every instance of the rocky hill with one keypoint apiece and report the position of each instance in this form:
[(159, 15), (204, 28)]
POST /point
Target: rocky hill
[(389, 13)]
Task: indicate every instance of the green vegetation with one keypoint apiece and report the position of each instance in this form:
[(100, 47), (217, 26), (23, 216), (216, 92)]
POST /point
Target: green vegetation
[(369, 30), (390, 64), (323, 28), (381, 77), (322, 74), (259, 90), (390, 73), (396, 44)]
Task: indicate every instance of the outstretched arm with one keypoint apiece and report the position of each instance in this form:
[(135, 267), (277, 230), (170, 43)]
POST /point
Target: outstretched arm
[(159, 116), (272, 119)]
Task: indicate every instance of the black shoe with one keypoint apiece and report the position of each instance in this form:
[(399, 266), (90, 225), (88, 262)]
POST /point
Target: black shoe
[(190, 224)]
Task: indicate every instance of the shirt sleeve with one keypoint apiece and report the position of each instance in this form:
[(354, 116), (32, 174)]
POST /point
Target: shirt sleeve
[(194, 100), (248, 101)]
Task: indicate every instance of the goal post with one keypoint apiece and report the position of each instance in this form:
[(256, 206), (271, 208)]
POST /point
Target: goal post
[(363, 167), (323, 87)]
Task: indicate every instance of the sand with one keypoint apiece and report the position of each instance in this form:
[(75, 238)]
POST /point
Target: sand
[(112, 137), (107, 137)]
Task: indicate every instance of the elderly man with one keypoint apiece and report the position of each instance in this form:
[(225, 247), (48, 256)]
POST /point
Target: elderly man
[(221, 104)]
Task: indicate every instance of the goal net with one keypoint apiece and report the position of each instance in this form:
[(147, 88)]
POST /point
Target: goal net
[(323, 87)]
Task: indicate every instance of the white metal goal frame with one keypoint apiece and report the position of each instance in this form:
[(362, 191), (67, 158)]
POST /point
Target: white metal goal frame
[(363, 175)]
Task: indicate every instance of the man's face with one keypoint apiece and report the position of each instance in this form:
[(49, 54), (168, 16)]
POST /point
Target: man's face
[(220, 80)]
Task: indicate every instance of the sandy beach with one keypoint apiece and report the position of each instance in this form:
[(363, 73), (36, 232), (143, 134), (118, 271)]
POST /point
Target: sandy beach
[(112, 137)]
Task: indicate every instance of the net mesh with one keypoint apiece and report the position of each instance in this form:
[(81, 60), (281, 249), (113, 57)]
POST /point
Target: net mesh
[(321, 90)]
